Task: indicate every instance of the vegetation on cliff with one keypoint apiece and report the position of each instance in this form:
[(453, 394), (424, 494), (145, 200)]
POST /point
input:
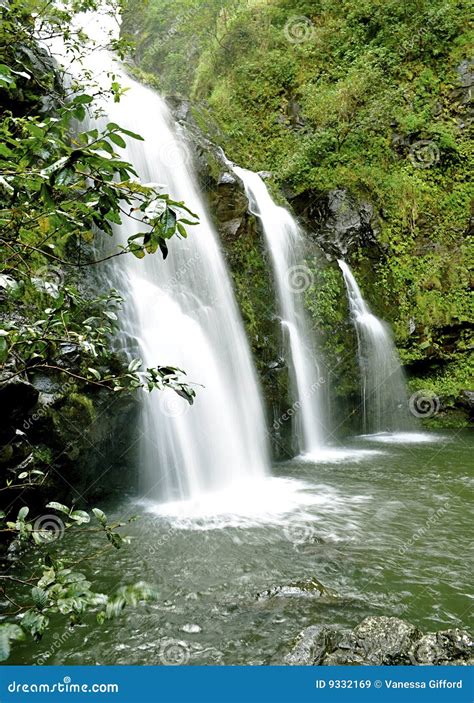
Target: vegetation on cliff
[(369, 99)]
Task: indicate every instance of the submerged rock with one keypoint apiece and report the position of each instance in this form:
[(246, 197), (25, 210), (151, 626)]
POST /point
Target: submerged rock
[(381, 641), (310, 588), (191, 628)]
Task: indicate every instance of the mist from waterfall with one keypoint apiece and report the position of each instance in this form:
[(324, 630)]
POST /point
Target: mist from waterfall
[(285, 244), (383, 386)]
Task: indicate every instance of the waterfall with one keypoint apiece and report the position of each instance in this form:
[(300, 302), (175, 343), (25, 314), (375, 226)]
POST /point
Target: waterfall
[(384, 396), (183, 313), (286, 246), (187, 317)]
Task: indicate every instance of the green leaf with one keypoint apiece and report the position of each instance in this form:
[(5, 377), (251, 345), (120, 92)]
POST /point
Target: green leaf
[(118, 140), (131, 134), (59, 506), (3, 350), (115, 539), (101, 516), (168, 222), (80, 516), (134, 365), (40, 597), (23, 512), (6, 77), (94, 373), (35, 623), (182, 230), (8, 632)]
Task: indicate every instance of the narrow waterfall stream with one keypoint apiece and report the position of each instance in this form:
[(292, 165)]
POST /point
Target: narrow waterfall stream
[(384, 395), (285, 244)]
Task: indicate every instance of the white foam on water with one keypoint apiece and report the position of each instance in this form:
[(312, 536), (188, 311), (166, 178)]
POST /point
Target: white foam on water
[(270, 501), (329, 455), (404, 437)]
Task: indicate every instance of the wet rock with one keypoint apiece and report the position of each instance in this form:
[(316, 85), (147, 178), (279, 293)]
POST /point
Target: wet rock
[(191, 628), (465, 72), (376, 641), (336, 220), (310, 588), (466, 400), (381, 641), (446, 647), (311, 645)]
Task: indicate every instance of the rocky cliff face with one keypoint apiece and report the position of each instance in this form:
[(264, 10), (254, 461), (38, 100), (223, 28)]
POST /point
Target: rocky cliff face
[(56, 442), (338, 224)]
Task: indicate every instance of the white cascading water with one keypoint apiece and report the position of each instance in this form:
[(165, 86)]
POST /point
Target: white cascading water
[(187, 317), (285, 244), (384, 395), (183, 313)]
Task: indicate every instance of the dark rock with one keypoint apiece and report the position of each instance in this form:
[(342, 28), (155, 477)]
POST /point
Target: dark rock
[(446, 647), (17, 397), (381, 641), (376, 641), (466, 400), (465, 72), (336, 220)]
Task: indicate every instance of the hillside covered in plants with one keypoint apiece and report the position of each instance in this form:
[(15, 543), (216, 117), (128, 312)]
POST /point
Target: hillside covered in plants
[(361, 112)]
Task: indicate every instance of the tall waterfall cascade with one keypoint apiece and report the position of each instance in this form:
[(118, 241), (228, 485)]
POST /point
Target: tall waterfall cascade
[(183, 313), (285, 244), (383, 386)]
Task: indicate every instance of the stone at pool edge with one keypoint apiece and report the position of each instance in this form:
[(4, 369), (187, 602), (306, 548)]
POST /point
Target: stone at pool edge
[(380, 641)]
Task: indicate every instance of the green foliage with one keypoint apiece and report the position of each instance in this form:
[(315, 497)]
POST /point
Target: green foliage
[(368, 98), (54, 584), (59, 186)]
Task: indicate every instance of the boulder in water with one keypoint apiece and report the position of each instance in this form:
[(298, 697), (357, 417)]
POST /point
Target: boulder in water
[(309, 588), (381, 641)]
